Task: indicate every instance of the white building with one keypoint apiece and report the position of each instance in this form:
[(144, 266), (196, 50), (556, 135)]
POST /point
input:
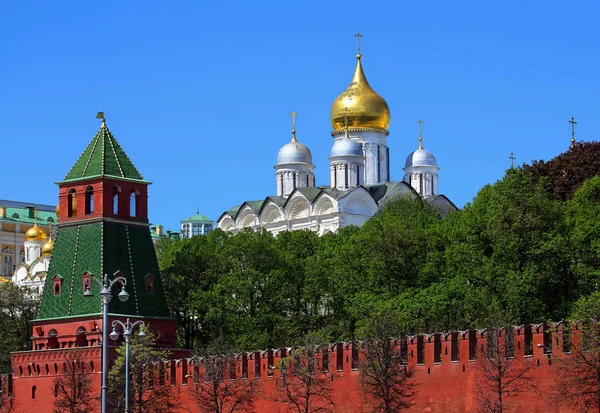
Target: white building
[(359, 173)]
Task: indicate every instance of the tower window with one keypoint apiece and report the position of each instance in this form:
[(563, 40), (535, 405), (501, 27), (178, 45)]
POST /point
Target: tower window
[(33, 389), (89, 200), (133, 204), (115, 196), (307, 184), (294, 181), (346, 176), (72, 203)]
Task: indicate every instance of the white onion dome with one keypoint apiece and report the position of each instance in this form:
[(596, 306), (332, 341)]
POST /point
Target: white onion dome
[(294, 152), (345, 147), (420, 157)]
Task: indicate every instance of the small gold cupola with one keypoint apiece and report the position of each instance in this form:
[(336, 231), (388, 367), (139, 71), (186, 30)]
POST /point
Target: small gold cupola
[(366, 109), (35, 233)]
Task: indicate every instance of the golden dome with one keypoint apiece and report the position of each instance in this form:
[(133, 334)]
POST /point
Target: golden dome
[(35, 233), (366, 109), (47, 248)]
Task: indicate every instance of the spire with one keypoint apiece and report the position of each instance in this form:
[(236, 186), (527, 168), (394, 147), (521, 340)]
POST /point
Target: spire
[(420, 122), (293, 115)]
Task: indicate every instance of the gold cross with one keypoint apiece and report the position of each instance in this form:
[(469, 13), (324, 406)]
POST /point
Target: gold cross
[(573, 123), (420, 122), (358, 36), (35, 216), (512, 160)]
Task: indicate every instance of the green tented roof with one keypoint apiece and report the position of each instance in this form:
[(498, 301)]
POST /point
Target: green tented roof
[(103, 157)]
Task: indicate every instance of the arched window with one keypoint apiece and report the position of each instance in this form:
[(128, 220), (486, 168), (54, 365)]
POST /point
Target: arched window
[(81, 340), (133, 204), (33, 389), (72, 201), (115, 196), (52, 340), (89, 200)]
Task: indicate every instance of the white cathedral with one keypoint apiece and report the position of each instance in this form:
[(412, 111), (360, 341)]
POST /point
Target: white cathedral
[(359, 173)]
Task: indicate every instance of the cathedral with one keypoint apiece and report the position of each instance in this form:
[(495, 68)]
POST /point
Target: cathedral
[(359, 172)]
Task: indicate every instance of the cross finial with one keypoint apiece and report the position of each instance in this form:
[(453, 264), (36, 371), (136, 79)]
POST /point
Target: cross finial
[(512, 160), (573, 123), (358, 37), (35, 215), (293, 115), (420, 122)]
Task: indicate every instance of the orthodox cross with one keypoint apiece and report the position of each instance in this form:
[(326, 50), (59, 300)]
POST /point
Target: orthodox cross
[(358, 36), (293, 115), (573, 123), (512, 160), (420, 122)]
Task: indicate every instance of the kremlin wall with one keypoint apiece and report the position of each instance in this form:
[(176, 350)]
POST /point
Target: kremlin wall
[(446, 371)]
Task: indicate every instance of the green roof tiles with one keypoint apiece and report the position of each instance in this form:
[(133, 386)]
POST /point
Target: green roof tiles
[(103, 248), (103, 157)]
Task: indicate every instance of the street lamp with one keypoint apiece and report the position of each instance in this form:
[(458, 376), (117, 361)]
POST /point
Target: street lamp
[(127, 332), (106, 295)]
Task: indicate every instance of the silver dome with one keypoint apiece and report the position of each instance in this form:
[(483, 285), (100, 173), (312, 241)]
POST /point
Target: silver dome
[(346, 147), (294, 152), (420, 157)]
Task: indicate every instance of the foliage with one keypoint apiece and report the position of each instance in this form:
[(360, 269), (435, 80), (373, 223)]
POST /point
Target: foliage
[(16, 310), (302, 386), (385, 377), (569, 170), (518, 246), (147, 390), (73, 389), (5, 396)]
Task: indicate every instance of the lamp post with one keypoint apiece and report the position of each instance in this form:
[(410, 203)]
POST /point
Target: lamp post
[(548, 351), (106, 295), (127, 333)]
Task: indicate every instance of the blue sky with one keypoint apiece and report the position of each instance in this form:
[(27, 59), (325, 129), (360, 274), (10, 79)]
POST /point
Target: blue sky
[(199, 93)]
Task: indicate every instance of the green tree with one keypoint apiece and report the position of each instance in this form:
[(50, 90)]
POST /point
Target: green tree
[(17, 309), (147, 391)]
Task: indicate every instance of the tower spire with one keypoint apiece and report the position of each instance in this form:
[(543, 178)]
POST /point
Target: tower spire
[(293, 115), (420, 122), (100, 115), (573, 123)]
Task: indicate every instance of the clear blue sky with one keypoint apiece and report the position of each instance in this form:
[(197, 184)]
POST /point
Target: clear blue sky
[(199, 93)]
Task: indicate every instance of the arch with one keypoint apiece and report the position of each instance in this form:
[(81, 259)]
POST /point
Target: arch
[(227, 224), (324, 206), (115, 199), (52, 341), (247, 219), (272, 213), (72, 203), (299, 208), (133, 204), (81, 338), (89, 200), (360, 204)]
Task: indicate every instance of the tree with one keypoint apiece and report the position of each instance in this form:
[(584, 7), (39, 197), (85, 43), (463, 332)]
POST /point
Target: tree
[(569, 170), (386, 379), (147, 390), (16, 311), (302, 386), (5, 396), (217, 388), (500, 374), (73, 388)]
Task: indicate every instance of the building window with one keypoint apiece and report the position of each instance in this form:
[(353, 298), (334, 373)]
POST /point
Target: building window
[(89, 200), (81, 338), (149, 282), (72, 203), (57, 285), (133, 204), (115, 197), (53, 342), (33, 389)]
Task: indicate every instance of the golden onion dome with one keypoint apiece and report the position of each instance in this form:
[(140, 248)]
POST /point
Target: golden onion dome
[(35, 233), (47, 248), (366, 109)]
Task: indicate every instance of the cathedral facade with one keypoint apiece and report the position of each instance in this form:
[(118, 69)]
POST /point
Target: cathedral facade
[(359, 173)]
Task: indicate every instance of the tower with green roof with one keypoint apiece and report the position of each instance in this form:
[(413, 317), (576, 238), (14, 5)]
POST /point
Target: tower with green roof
[(196, 225)]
